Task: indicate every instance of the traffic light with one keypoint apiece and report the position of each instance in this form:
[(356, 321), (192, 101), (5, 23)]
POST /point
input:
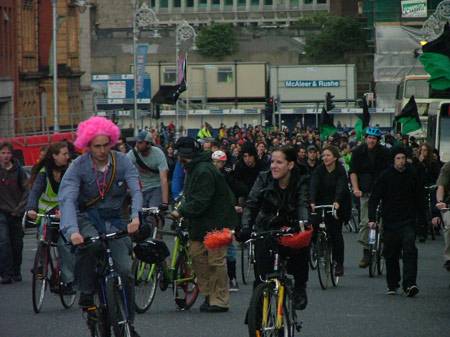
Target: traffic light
[(268, 112), (329, 104)]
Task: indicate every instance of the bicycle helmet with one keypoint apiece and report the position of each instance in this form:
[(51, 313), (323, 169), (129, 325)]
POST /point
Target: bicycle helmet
[(219, 155), (373, 131)]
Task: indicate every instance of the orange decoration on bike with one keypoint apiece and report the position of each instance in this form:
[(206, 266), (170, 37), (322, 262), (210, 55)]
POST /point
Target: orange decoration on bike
[(297, 240), (218, 239)]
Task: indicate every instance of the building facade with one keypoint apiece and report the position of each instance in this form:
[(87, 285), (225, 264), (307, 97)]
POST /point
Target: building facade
[(25, 67)]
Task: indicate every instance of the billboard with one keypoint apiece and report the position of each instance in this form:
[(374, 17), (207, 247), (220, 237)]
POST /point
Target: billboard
[(118, 89), (306, 83), (414, 8)]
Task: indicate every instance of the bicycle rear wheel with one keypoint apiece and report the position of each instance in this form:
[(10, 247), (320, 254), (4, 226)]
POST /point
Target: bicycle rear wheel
[(186, 288), (146, 280), (97, 321), (323, 262), (40, 276), (244, 262), (262, 314), (117, 309), (67, 300)]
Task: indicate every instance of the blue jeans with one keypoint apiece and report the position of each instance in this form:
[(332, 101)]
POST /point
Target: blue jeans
[(11, 245), (152, 197)]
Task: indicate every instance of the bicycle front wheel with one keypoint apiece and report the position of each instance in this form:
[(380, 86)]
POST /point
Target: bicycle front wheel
[(244, 262), (185, 285), (380, 257), (146, 280), (117, 309), (313, 256), (40, 276), (372, 260), (262, 314), (323, 262)]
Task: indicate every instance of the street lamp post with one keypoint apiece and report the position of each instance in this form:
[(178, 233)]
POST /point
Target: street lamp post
[(143, 17), (184, 37)]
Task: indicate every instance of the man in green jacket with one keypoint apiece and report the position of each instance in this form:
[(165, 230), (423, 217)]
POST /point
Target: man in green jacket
[(208, 204)]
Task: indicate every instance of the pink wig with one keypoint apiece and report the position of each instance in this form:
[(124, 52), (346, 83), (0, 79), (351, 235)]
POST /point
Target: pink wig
[(93, 127)]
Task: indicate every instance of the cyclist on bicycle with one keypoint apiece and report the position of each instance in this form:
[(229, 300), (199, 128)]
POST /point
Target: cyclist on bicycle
[(43, 198), (90, 197), (329, 186), (400, 190), (279, 198), (368, 161)]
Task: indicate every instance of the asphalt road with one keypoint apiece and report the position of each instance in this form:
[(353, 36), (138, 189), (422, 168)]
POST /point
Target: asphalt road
[(357, 307)]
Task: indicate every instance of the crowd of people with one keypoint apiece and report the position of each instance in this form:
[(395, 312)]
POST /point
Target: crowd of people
[(244, 177)]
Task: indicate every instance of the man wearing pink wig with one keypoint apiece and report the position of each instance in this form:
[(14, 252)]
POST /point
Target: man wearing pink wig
[(90, 197)]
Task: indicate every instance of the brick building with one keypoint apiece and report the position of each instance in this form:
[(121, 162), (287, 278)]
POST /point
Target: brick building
[(25, 44)]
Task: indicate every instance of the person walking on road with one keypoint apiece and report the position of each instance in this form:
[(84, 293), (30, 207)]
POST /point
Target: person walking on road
[(401, 193), (368, 161), (207, 204), (13, 197)]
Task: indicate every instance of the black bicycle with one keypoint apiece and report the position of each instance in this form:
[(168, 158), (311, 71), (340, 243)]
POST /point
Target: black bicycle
[(247, 261), (429, 190), (110, 309), (322, 251), (47, 263)]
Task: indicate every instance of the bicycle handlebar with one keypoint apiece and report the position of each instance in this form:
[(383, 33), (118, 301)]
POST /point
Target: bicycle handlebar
[(275, 232), (431, 187), (105, 237)]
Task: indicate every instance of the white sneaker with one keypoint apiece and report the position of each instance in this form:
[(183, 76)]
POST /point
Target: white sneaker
[(234, 286)]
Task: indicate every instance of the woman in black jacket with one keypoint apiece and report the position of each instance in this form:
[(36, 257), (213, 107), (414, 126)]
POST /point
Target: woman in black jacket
[(278, 198), (329, 185)]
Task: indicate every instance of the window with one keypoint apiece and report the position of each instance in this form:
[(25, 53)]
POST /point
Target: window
[(225, 75), (308, 2), (215, 3), (163, 3), (255, 3), (190, 3), (268, 2), (202, 3), (177, 3), (241, 3), (228, 2), (321, 1), (170, 75), (418, 88)]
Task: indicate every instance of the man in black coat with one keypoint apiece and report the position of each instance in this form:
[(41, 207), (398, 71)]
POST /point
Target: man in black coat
[(401, 193)]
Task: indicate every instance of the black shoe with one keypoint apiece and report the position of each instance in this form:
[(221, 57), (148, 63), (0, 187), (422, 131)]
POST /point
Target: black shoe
[(205, 305), (412, 291), (17, 277), (339, 270), (86, 300), (133, 332), (6, 280), (447, 265), (67, 289), (300, 299), (215, 308)]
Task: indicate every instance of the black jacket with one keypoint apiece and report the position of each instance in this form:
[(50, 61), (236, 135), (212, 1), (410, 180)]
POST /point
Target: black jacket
[(402, 197), (268, 206), (367, 170), (329, 187), (247, 175)]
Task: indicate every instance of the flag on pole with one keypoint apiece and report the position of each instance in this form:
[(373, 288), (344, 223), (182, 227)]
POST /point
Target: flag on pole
[(436, 60), (362, 120), (408, 118), (327, 127)]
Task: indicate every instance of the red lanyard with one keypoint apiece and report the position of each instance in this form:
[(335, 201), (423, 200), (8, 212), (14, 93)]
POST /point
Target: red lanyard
[(101, 187)]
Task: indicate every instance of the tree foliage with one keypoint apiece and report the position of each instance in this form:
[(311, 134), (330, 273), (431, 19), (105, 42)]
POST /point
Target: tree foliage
[(217, 40), (337, 37)]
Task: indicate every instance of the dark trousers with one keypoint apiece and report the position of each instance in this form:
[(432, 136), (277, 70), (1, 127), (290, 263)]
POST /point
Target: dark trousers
[(87, 259), (401, 241), (334, 231), (11, 245), (297, 262)]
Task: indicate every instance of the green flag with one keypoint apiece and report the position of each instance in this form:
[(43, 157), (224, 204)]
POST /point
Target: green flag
[(409, 118), (436, 60), (362, 121), (327, 127)]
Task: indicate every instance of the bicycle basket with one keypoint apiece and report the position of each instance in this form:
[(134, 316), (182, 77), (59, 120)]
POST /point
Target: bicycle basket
[(298, 240), (151, 251)]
